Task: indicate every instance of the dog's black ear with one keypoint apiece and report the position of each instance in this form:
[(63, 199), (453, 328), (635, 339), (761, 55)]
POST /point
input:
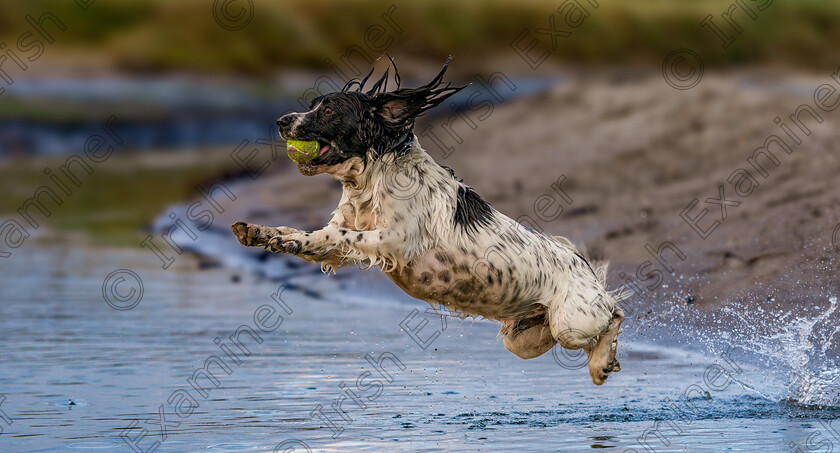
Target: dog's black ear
[(402, 106)]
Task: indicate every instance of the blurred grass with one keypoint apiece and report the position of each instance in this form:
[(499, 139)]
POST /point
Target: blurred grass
[(117, 202), (154, 35)]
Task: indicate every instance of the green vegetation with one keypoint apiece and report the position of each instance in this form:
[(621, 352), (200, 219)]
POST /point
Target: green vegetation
[(115, 203), (173, 35)]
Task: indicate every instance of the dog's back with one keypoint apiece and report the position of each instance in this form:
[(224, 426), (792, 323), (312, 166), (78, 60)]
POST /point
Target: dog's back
[(460, 252)]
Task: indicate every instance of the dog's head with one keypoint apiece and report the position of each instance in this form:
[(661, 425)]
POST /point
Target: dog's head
[(354, 123)]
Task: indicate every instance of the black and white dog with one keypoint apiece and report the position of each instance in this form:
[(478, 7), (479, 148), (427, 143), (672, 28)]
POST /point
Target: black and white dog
[(433, 235)]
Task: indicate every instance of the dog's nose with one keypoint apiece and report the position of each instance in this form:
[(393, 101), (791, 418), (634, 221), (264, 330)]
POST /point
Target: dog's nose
[(284, 121)]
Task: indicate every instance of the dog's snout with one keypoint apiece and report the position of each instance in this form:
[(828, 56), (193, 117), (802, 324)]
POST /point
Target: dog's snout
[(284, 121)]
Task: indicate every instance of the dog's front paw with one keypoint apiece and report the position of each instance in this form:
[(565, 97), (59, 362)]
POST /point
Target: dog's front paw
[(284, 244), (249, 235)]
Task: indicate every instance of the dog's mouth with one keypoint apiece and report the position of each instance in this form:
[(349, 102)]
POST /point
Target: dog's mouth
[(324, 149), (319, 161)]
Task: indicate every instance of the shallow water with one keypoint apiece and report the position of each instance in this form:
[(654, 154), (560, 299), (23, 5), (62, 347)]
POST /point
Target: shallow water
[(463, 392)]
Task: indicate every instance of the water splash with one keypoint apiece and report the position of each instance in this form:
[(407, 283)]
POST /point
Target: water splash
[(816, 378), (790, 355), (795, 358)]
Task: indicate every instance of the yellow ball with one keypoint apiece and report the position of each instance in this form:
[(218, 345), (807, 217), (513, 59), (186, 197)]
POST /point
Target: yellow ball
[(302, 151)]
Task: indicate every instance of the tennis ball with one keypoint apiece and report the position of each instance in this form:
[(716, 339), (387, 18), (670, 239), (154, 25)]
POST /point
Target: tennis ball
[(302, 151)]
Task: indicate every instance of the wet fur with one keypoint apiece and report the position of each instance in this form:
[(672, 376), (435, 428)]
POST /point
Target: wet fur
[(434, 236)]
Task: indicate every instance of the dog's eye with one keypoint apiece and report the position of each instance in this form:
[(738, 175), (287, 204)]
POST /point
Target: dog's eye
[(328, 111)]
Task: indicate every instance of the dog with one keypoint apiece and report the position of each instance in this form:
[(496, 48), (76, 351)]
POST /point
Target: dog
[(434, 236)]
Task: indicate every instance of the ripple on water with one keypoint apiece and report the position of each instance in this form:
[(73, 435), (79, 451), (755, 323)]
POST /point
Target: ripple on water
[(464, 394)]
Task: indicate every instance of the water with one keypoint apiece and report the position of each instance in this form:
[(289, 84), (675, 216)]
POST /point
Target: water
[(463, 392)]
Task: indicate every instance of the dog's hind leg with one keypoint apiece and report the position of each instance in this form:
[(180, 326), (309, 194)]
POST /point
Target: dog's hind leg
[(587, 319), (602, 359), (527, 339)]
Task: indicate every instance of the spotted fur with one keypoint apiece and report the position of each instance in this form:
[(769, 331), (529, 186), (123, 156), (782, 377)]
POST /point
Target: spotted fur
[(436, 238)]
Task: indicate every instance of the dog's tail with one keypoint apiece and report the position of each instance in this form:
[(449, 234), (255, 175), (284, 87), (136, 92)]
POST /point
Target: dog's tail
[(618, 295)]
